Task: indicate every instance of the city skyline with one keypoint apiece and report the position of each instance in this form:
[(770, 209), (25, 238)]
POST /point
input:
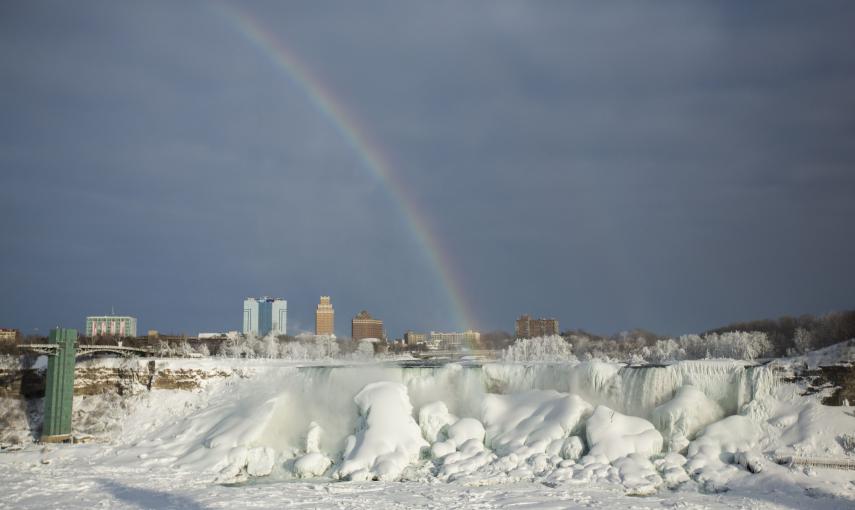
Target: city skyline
[(444, 174)]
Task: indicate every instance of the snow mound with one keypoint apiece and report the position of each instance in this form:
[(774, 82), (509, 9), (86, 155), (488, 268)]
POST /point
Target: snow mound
[(387, 440), (612, 435)]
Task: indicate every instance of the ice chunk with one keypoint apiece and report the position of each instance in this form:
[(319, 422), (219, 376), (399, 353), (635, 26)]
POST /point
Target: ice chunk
[(572, 448), (671, 469), (313, 438), (532, 418), (259, 461), (614, 435), (442, 448), (388, 438), (680, 419), (730, 435), (638, 475), (471, 446), (311, 465), (464, 430), (433, 418), (711, 454)]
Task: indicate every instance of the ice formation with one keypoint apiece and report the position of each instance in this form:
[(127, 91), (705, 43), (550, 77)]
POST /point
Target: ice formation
[(682, 417), (648, 428), (533, 419), (388, 438), (612, 435)]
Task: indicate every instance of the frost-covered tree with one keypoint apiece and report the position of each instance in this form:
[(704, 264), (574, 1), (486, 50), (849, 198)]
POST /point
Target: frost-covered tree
[(364, 351), (548, 348), (269, 347), (202, 349), (294, 351), (803, 340)]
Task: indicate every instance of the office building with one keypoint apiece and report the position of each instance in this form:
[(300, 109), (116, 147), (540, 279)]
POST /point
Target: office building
[(8, 335), (526, 327), (325, 318), (111, 325), (266, 315), (365, 326)]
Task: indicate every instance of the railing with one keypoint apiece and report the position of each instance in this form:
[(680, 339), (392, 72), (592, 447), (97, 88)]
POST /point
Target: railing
[(844, 464), (51, 349)]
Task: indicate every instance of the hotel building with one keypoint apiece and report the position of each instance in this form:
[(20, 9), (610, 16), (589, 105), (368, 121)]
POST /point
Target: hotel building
[(262, 316), (526, 327), (365, 326), (453, 341)]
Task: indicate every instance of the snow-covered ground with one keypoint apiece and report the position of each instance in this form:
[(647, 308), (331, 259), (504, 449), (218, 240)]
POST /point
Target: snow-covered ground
[(695, 434)]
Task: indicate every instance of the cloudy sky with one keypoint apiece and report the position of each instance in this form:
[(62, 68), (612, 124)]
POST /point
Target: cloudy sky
[(673, 166)]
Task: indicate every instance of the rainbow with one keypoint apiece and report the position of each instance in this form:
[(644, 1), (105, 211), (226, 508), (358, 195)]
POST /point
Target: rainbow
[(356, 135)]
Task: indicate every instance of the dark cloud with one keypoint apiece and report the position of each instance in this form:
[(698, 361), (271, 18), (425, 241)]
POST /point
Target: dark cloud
[(673, 167)]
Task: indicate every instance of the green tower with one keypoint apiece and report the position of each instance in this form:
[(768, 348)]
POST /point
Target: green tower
[(59, 387)]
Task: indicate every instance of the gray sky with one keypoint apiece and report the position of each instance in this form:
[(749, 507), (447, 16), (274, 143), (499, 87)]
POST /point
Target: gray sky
[(673, 166)]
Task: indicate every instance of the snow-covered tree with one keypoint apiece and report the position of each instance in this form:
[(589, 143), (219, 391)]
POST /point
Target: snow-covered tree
[(803, 340), (269, 347), (548, 348)]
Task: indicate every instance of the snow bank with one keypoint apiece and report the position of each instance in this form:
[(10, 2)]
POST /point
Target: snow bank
[(387, 440), (612, 435)]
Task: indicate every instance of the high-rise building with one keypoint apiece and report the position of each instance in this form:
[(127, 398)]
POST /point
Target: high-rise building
[(262, 316), (526, 327), (111, 325), (365, 326), (325, 317), (8, 335)]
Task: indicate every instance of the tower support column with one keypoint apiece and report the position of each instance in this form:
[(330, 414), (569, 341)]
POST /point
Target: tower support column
[(59, 387)]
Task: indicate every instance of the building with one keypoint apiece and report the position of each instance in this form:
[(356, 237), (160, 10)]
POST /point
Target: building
[(266, 315), (8, 335), (365, 326), (111, 325), (411, 338), (325, 318), (526, 327), (453, 341)]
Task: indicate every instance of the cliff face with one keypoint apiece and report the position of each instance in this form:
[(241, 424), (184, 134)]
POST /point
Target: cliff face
[(102, 388), (836, 382), (125, 378)]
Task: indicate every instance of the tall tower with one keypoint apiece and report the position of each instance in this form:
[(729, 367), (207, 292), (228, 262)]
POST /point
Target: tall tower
[(325, 317)]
